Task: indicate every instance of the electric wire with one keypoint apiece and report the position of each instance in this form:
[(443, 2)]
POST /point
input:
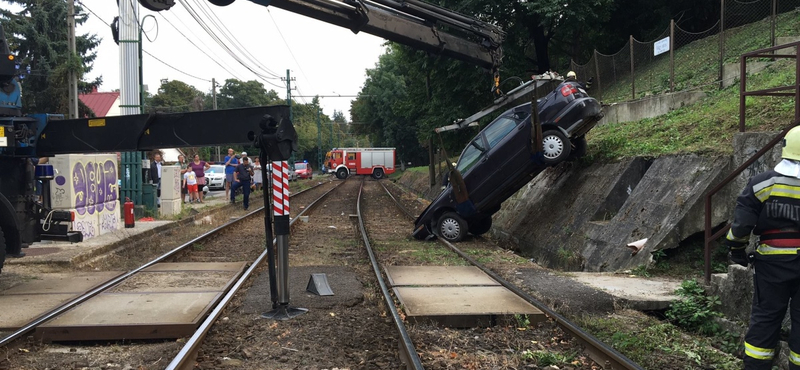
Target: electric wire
[(199, 48), (287, 46), (221, 43), (145, 51), (226, 32)]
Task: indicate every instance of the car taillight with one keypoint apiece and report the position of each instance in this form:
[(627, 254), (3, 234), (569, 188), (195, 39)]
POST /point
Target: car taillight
[(568, 90)]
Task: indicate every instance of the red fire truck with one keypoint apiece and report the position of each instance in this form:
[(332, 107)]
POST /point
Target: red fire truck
[(376, 162)]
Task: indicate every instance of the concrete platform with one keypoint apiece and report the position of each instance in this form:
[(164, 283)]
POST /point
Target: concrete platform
[(65, 253), (168, 300), (644, 294), (22, 303), (456, 296), (69, 254)]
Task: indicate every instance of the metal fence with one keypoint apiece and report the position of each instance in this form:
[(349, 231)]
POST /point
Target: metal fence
[(679, 60)]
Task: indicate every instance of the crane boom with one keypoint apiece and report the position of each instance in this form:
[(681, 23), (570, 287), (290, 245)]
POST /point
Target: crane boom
[(414, 23), (411, 23)]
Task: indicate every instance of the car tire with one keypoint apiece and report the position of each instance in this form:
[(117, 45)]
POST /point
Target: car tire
[(578, 148), (555, 146), (481, 226), (451, 227), (341, 173), (378, 173)]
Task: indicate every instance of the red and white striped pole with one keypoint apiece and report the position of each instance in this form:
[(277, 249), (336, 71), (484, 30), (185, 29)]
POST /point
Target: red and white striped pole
[(280, 211)]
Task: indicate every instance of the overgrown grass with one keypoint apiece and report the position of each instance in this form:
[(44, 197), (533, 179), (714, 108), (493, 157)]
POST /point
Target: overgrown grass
[(703, 128), (659, 345)]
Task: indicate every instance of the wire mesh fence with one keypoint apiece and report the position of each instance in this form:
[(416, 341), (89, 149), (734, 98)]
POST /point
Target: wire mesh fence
[(696, 58), (651, 66), (679, 60)]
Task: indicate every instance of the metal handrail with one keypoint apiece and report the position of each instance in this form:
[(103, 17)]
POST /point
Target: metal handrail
[(743, 94)]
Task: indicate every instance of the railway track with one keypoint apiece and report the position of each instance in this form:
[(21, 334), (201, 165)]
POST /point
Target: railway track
[(306, 198), (363, 325), (597, 350)]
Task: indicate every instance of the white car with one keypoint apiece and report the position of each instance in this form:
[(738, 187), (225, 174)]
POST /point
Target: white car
[(215, 177)]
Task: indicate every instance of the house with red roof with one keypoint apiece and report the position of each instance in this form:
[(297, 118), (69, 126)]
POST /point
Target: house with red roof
[(103, 104)]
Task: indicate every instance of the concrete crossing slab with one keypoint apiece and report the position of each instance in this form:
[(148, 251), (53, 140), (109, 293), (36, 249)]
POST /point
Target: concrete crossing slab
[(438, 275), (464, 306), (456, 296), (23, 302), (130, 316), (168, 300)]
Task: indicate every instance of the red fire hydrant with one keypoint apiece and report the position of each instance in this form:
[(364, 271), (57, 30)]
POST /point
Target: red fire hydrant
[(128, 211)]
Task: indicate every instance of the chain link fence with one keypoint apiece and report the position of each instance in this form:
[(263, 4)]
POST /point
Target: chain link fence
[(679, 60)]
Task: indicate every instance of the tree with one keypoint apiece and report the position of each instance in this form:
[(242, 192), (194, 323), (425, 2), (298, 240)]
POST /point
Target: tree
[(176, 96), (240, 94), (38, 34)]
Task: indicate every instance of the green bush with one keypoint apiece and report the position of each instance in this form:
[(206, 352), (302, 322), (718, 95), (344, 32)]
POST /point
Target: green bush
[(695, 311)]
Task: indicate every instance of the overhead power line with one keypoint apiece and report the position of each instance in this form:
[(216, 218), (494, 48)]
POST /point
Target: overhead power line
[(199, 48), (221, 43)]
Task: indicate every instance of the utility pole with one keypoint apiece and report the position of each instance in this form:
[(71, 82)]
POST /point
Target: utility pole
[(319, 140), (214, 100), (73, 76), (288, 81)]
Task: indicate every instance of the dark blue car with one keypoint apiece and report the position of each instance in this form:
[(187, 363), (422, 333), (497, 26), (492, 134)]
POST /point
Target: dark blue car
[(501, 159)]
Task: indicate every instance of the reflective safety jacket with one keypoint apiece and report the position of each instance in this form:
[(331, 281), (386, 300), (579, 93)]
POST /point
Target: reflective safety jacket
[(769, 207)]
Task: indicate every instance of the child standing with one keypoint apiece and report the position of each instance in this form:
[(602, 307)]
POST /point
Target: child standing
[(190, 182)]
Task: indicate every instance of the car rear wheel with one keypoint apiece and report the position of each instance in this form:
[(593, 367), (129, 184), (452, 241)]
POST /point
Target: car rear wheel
[(341, 173), (480, 226), (378, 173), (555, 145), (452, 227)]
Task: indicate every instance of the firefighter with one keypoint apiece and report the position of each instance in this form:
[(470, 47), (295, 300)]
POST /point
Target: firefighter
[(573, 77), (769, 207)]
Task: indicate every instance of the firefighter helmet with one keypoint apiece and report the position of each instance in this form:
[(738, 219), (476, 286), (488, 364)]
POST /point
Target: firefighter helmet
[(571, 74), (791, 144)]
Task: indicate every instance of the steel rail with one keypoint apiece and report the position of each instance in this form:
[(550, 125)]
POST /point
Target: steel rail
[(414, 362), (603, 354), (191, 346), (108, 284)]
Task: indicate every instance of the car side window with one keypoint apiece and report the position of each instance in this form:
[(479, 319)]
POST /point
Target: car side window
[(499, 129), (469, 157)]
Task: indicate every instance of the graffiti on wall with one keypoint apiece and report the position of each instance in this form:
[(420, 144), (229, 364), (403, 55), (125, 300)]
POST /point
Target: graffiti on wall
[(94, 187)]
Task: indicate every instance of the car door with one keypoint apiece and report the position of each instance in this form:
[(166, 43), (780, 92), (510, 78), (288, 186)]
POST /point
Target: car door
[(505, 158)]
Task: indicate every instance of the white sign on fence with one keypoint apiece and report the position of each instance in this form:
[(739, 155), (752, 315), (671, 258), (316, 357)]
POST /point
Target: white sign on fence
[(661, 46)]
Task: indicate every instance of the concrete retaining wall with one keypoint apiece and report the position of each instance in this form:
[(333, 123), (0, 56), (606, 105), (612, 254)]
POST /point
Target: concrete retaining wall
[(582, 218), (650, 107)]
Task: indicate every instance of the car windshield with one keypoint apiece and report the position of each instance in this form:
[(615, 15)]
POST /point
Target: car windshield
[(216, 169), (470, 156), (299, 166)]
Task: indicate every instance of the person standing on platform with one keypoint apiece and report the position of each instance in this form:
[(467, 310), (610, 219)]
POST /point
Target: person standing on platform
[(258, 177), (190, 184), (199, 167), (155, 175), (184, 169), (241, 179), (231, 161)]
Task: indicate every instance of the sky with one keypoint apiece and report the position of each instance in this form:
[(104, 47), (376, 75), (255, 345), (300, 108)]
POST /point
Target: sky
[(322, 59)]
